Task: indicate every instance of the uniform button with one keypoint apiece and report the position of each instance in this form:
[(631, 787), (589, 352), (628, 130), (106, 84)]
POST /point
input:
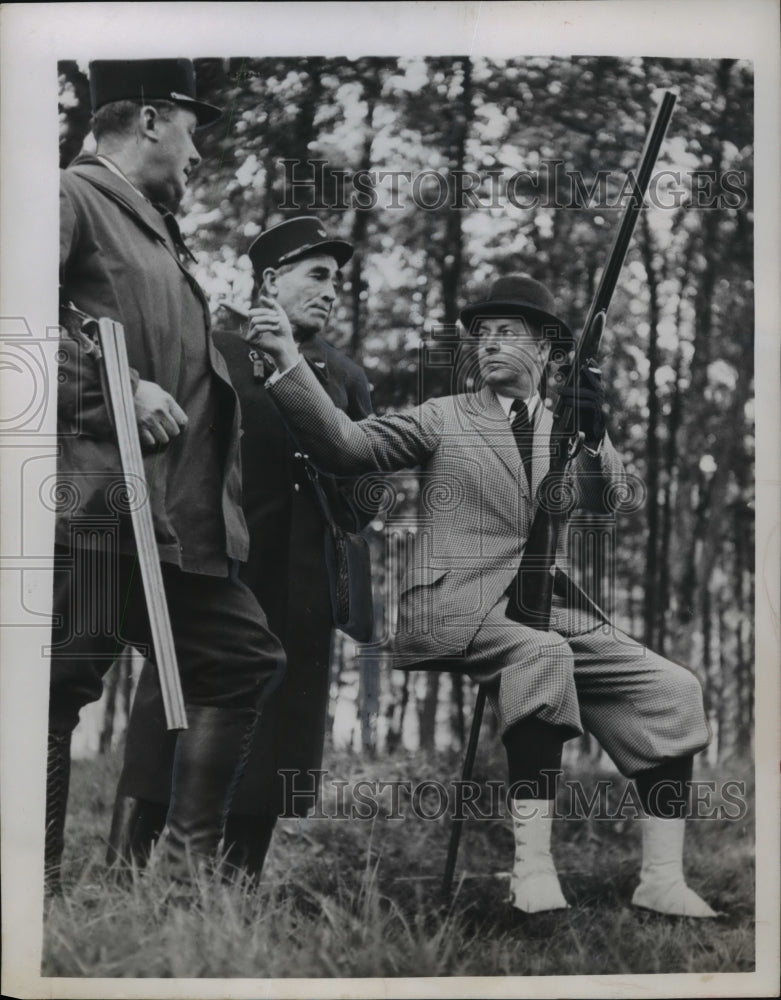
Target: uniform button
[(296, 487), (297, 454)]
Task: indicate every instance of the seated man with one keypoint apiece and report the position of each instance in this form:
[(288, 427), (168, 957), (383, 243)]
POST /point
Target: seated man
[(544, 686)]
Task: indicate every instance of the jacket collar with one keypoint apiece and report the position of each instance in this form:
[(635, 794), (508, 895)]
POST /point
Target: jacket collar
[(314, 351), (483, 411), (124, 193), (121, 190)]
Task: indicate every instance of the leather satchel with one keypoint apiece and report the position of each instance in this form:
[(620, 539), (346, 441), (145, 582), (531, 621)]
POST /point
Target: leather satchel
[(348, 563)]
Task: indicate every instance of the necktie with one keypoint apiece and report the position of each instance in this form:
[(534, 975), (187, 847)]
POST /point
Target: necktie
[(523, 432)]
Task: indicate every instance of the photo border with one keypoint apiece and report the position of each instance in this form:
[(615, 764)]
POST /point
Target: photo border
[(32, 39)]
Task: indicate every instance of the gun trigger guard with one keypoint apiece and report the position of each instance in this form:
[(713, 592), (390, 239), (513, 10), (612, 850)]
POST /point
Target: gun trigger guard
[(576, 443)]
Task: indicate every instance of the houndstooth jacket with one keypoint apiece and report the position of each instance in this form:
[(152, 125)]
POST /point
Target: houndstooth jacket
[(476, 506)]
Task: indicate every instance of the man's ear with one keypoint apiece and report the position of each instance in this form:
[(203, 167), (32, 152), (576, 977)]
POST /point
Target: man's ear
[(148, 118), (269, 283)]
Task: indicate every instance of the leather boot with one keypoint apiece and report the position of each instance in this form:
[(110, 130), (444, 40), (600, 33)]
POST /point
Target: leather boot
[(136, 824), (534, 884), (247, 840), (208, 761), (58, 769)]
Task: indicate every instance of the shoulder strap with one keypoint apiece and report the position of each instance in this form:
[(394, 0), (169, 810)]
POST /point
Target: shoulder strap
[(322, 499)]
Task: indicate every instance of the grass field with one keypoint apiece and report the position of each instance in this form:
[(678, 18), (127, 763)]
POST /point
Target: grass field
[(355, 898)]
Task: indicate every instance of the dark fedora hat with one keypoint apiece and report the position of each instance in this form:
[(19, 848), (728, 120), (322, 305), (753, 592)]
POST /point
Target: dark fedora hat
[(520, 295), (146, 80), (294, 239)]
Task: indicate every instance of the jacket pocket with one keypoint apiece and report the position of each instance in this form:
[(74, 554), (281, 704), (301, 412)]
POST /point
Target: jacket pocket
[(422, 576)]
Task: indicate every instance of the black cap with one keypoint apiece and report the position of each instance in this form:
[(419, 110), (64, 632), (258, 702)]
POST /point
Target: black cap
[(148, 80), (520, 295), (292, 240)]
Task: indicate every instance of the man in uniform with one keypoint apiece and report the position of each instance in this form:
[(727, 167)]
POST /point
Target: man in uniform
[(122, 257), (491, 448), (297, 264)]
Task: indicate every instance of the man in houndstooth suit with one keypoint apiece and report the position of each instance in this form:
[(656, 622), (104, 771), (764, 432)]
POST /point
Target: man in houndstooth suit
[(545, 687)]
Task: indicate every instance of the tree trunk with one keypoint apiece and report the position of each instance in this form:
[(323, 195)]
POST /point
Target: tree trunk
[(305, 133), (709, 694), (371, 90), (452, 263), (127, 685), (674, 423), (670, 465), (111, 688), (403, 705), (427, 714), (710, 250), (369, 705), (117, 686), (742, 575), (457, 713), (722, 688), (394, 714), (335, 665)]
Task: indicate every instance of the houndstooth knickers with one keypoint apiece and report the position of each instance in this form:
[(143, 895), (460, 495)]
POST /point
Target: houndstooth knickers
[(641, 708)]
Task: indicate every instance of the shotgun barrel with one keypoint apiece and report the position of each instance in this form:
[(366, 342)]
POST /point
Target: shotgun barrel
[(531, 592), (117, 374)]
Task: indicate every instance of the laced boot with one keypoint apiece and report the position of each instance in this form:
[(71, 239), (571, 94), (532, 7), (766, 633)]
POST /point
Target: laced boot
[(58, 769)]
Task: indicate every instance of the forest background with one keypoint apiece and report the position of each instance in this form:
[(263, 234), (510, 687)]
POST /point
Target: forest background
[(358, 898), (444, 173)]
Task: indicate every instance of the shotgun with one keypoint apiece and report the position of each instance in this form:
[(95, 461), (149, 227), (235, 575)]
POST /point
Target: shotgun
[(110, 351), (531, 592), (112, 343)]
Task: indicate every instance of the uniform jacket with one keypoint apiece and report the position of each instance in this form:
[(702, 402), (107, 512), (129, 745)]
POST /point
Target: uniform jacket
[(118, 258), (286, 566), (476, 505), (286, 572), (274, 477)]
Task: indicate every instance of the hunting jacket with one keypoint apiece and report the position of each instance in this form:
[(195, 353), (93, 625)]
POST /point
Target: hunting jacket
[(121, 259), (476, 505)]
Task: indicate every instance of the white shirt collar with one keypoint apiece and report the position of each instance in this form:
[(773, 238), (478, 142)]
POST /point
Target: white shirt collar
[(115, 170), (531, 403)]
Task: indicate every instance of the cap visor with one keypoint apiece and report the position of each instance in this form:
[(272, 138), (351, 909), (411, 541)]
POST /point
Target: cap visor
[(338, 249), (205, 114)]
